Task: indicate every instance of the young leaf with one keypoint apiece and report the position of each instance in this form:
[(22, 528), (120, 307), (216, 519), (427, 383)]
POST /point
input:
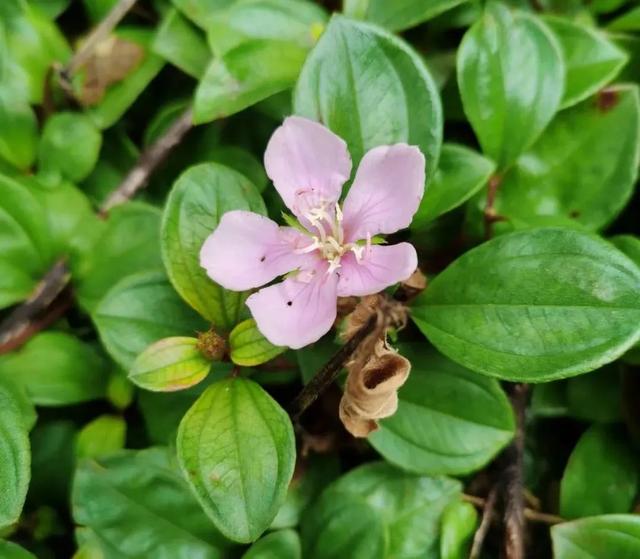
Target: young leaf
[(591, 60), (18, 129), (595, 144), (370, 88), (57, 369), (249, 73), (15, 460), (139, 310), (283, 544), (511, 78), (534, 306), (199, 198), (12, 392), (69, 146), (170, 364), (114, 496), (596, 396), (601, 476), (399, 14), (249, 347), (441, 396), (237, 450), (461, 173), (201, 12), (180, 43), (611, 536), (103, 436), (626, 22)]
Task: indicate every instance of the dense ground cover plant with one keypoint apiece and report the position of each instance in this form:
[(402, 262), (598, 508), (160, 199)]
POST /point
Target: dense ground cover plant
[(177, 175)]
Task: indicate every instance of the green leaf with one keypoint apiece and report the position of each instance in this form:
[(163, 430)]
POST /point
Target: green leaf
[(240, 486), (69, 212), (170, 364), (511, 78), (319, 470), (10, 550), (138, 505), (626, 22), (18, 129), (249, 347), (284, 544), (244, 75), (443, 397), (613, 536), (15, 459), (198, 199), (299, 22), (201, 12), (180, 43), (601, 476), (343, 525), (69, 146), (121, 95), (244, 162), (596, 144), (128, 243), (591, 60), (459, 521), (12, 391), (103, 436), (398, 14), (410, 506), (461, 173), (629, 245), (534, 306), (596, 396), (34, 41), (57, 369), (370, 88), (24, 242), (138, 311)]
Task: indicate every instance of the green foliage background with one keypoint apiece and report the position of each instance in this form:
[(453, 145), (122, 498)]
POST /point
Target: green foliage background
[(121, 437)]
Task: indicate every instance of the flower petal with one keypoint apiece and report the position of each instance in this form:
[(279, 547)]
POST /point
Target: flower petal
[(247, 250), (307, 163), (294, 313), (380, 267), (386, 191)]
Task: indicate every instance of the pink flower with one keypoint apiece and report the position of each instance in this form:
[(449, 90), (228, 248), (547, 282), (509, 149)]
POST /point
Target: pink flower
[(332, 254)]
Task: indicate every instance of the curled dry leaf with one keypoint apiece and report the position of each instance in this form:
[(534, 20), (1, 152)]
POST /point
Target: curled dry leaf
[(371, 392), (414, 285), (112, 61)]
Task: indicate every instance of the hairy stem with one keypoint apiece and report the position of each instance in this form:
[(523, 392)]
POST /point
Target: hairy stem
[(22, 323), (325, 376), (150, 159)]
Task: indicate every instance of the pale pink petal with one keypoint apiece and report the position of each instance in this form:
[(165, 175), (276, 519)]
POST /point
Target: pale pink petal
[(247, 250), (294, 313), (307, 163), (386, 191), (379, 267)]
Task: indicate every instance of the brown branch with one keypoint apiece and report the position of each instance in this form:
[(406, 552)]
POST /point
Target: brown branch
[(488, 507), (99, 34), (21, 324), (150, 159), (490, 215), (529, 513), (513, 479), (323, 378)]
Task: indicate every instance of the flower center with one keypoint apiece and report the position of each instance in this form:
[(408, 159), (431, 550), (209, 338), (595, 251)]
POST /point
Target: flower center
[(330, 238)]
